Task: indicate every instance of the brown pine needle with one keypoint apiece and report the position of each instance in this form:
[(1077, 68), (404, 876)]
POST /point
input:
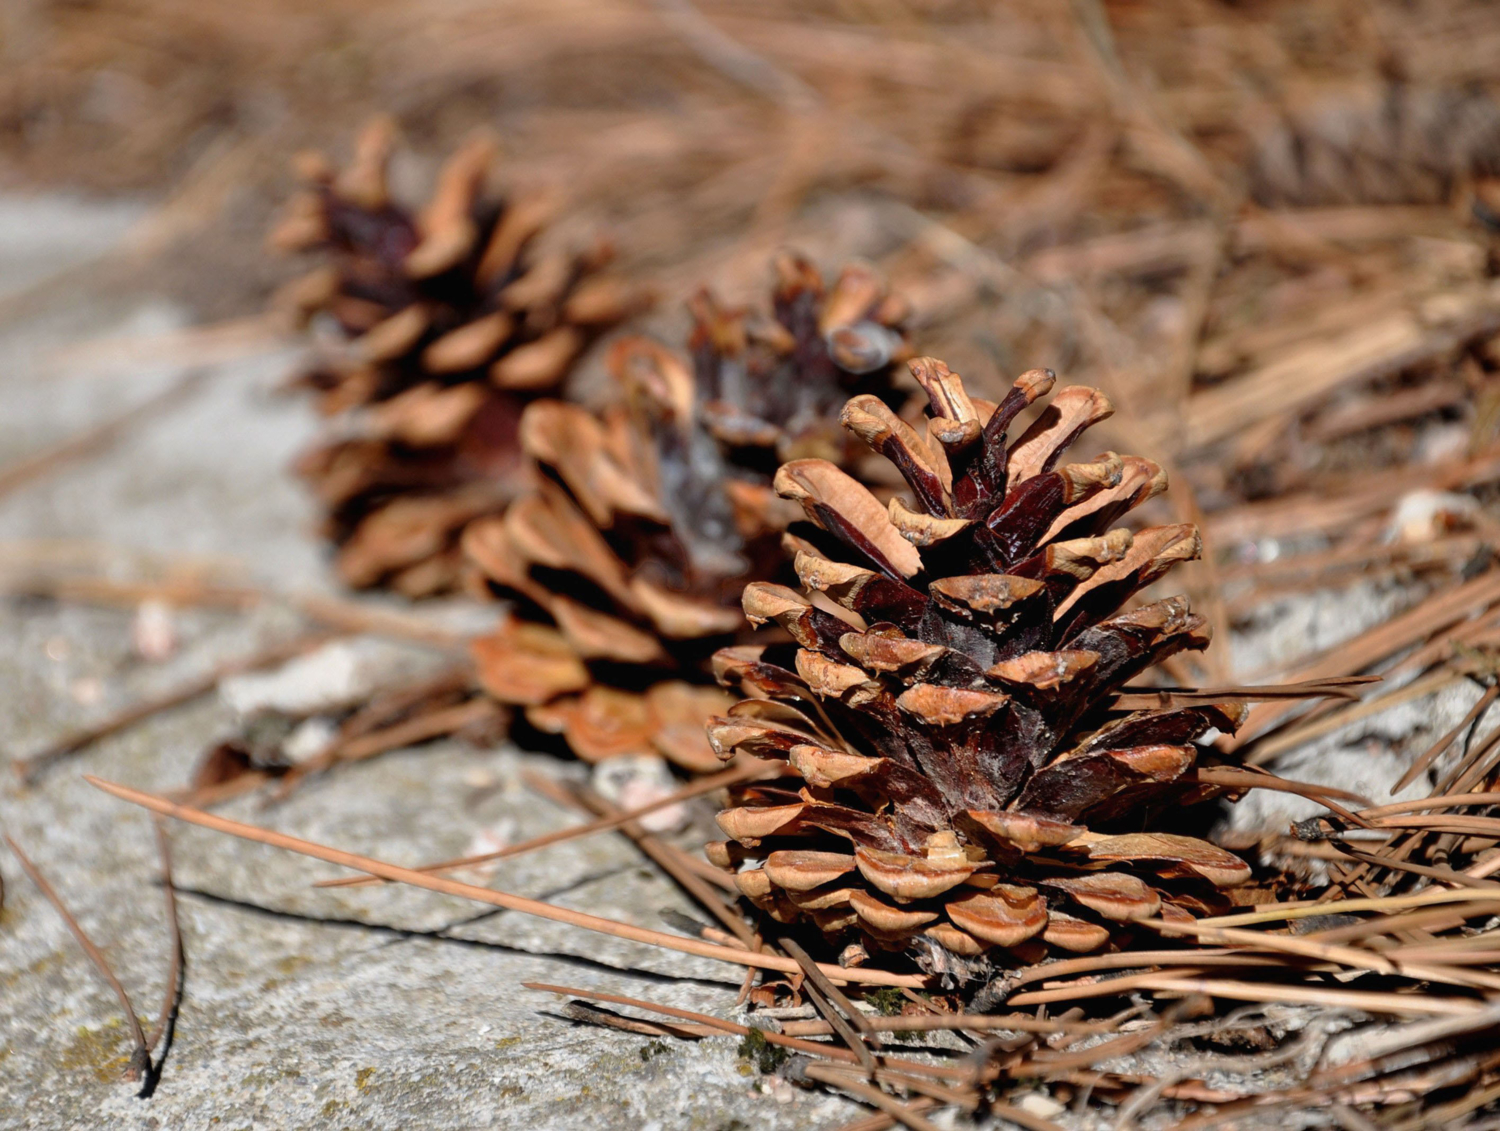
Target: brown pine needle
[(363, 619), (900, 1112), (345, 617), (140, 1059), (669, 858), (1337, 687), (880, 1120), (1095, 963), (593, 1015), (506, 900), (823, 995), (31, 768), (1437, 748), (969, 1022), (409, 732), (830, 991), (1273, 913), (1484, 826), (1043, 1061), (1255, 779), (1431, 871), (813, 1048), (603, 824), (1438, 801), (177, 592), (93, 439), (1415, 1005), (1431, 920), (1303, 947)]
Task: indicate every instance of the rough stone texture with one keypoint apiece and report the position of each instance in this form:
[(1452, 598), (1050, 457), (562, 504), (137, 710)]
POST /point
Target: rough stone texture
[(363, 1008)]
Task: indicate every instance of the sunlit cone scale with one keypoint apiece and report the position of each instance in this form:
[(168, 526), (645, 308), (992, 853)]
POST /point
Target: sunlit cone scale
[(629, 555), (451, 319), (954, 770)]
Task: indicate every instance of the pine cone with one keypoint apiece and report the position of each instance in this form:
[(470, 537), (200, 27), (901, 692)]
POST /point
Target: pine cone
[(954, 766), (453, 323), (647, 520)]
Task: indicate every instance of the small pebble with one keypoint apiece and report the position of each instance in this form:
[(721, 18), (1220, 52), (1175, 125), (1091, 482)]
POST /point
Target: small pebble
[(153, 632), (636, 780), (1038, 1104), (310, 739), (86, 691)]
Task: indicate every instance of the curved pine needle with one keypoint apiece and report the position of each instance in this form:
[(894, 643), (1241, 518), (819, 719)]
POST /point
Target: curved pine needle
[(1252, 779), (140, 1059), (172, 999)]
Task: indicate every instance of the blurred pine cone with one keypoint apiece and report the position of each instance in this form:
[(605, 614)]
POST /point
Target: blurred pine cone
[(646, 521), (451, 322), (955, 768)]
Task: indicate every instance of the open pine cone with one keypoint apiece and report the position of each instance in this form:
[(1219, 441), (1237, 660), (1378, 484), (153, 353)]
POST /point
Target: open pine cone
[(954, 767), (452, 322), (646, 521)]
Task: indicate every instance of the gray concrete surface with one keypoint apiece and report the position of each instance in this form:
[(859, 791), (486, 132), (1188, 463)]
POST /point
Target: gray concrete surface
[(304, 1008)]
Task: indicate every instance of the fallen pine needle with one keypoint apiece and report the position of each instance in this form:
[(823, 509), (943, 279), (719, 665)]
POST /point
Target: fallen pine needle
[(603, 824), (97, 437), (1347, 906), (172, 999), (967, 1022), (1353, 957), (880, 1120), (488, 895), (1398, 1004), (31, 768), (870, 1094), (140, 1059), (813, 1048)]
